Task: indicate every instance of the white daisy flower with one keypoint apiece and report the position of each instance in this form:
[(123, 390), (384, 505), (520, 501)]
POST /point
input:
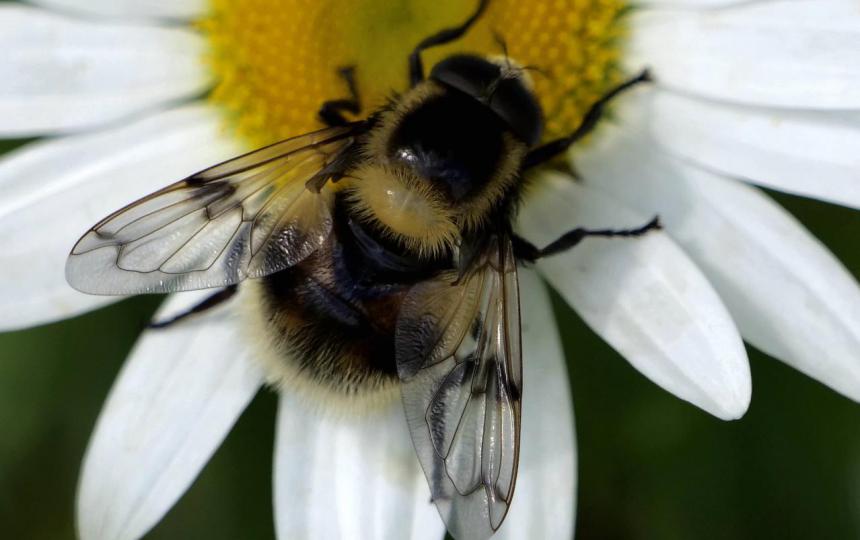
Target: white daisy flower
[(747, 93)]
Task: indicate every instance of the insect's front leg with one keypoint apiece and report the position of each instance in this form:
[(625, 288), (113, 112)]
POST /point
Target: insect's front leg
[(416, 67), (547, 151), (526, 251), (331, 112)]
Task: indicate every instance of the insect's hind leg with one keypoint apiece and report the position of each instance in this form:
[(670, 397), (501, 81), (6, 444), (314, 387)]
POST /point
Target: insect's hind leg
[(215, 299), (416, 67), (525, 250), (331, 112), (547, 151)]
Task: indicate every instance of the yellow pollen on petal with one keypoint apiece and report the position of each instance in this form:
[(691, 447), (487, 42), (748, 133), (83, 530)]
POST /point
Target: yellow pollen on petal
[(276, 61)]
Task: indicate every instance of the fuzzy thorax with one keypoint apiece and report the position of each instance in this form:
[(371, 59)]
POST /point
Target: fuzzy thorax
[(408, 209)]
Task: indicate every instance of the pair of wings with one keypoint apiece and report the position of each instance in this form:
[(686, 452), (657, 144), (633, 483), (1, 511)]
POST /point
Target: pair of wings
[(457, 341)]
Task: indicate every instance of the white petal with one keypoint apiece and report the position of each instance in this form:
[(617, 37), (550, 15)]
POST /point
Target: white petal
[(812, 153), (789, 295), (545, 497), (643, 296), (174, 402), (349, 477), (174, 9), (60, 74), (794, 53), (53, 191), (693, 4)]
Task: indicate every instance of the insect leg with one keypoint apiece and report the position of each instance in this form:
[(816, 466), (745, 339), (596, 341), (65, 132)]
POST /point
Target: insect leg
[(331, 112), (215, 299), (416, 67), (525, 250), (546, 152)]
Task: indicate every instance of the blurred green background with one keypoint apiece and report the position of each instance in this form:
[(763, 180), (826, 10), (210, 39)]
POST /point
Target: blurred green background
[(651, 466)]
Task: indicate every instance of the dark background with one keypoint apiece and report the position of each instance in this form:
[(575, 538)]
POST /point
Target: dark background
[(651, 466)]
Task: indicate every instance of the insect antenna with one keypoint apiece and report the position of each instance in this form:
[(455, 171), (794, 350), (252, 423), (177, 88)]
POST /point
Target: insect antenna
[(510, 70), (503, 44)]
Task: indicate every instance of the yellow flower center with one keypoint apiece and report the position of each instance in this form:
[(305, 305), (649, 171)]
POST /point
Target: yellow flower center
[(276, 61)]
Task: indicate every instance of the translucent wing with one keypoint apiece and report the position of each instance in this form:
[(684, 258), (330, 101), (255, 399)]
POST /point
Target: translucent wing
[(459, 360), (248, 217)]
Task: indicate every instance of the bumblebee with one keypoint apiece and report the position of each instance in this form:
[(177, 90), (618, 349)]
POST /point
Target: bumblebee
[(381, 257)]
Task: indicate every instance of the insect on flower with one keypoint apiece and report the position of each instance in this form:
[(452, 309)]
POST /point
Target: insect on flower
[(385, 258)]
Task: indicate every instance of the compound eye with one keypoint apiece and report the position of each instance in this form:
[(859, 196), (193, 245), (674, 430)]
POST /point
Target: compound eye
[(515, 104), (491, 83)]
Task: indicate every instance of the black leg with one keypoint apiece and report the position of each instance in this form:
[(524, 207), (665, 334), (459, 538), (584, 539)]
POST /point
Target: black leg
[(208, 303), (525, 250), (416, 68), (546, 152), (331, 112)]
